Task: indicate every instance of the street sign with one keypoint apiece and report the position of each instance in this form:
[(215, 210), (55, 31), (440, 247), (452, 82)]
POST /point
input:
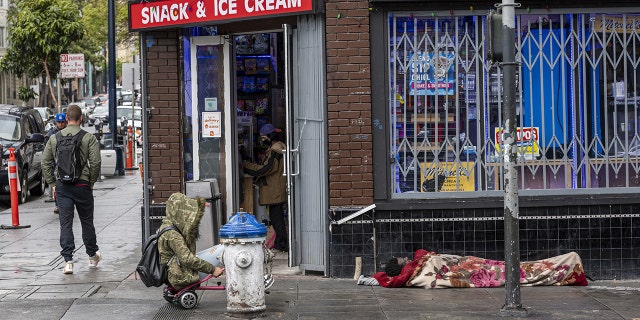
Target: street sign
[(130, 76), (72, 65)]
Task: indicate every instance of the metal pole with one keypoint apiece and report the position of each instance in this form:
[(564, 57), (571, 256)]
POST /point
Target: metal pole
[(512, 305), (111, 48), (58, 85), (133, 117), (289, 132), (146, 185)]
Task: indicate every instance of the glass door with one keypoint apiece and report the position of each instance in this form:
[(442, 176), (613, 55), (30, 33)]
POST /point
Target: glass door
[(209, 126)]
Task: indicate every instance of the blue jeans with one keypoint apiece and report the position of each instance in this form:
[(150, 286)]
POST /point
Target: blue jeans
[(80, 197)]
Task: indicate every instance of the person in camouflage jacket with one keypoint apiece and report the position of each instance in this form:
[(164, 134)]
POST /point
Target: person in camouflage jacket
[(185, 214)]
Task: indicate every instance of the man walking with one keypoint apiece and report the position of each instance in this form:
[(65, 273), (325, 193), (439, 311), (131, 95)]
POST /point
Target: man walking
[(74, 192)]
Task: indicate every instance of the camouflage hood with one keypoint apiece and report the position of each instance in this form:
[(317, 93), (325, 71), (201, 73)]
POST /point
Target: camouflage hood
[(185, 213)]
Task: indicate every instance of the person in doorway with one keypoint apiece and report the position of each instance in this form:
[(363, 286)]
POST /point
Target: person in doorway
[(78, 194), (60, 123), (271, 182)]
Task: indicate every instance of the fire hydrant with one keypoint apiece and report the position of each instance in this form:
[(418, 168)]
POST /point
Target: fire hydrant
[(243, 237)]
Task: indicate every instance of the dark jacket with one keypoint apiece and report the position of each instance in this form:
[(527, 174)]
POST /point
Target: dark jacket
[(269, 175), (49, 133), (89, 154), (185, 213)]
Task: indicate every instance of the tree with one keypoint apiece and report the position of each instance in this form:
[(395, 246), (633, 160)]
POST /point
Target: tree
[(94, 18), (25, 94), (39, 32)]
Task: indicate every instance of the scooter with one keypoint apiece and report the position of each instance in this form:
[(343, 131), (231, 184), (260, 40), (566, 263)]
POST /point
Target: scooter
[(187, 297)]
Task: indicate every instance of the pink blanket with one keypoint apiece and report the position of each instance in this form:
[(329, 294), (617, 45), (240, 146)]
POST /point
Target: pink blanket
[(432, 270)]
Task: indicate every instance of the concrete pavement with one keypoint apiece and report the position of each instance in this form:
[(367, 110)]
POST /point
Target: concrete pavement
[(32, 285)]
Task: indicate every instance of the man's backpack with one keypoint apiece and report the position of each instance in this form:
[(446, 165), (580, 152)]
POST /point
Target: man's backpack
[(151, 271), (68, 158)]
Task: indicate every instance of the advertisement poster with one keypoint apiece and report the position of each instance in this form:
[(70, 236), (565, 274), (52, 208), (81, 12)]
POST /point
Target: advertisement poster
[(211, 124), (451, 176), (527, 141), (431, 75)]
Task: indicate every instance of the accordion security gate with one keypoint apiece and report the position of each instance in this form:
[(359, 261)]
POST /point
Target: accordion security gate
[(577, 104)]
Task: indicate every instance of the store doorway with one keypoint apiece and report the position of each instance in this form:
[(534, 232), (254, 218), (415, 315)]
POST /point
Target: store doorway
[(259, 100), (240, 82), (262, 98)]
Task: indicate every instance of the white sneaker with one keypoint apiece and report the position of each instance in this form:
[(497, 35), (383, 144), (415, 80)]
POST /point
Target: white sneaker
[(68, 268), (93, 261)]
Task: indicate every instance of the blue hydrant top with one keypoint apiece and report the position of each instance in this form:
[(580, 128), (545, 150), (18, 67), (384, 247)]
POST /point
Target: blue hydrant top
[(243, 225)]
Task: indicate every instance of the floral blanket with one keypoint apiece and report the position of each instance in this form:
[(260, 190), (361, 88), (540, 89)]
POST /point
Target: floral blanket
[(431, 270)]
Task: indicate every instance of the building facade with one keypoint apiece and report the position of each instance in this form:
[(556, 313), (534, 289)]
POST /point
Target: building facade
[(393, 113)]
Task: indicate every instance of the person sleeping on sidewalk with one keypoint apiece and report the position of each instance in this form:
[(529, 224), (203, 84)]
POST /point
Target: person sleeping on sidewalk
[(433, 270)]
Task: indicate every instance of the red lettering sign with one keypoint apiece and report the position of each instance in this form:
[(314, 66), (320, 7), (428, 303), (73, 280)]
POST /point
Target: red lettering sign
[(165, 13), (522, 134)]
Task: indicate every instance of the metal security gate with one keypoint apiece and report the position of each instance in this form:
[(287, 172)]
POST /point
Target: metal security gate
[(311, 192), (577, 105)]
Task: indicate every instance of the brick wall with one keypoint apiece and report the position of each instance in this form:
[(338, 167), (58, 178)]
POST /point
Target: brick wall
[(164, 129), (349, 103)]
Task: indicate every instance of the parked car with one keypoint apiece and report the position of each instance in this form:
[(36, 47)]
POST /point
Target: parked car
[(130, 113), (47, 115), (125, 98), (100, 113), (85, 112), (22, 128), (91, 103)]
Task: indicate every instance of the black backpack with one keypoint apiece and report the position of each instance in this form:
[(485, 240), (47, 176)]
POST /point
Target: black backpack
[(151, 271), (68, 158)]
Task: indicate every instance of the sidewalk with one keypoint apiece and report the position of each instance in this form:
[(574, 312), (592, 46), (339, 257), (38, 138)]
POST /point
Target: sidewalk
[(32, 285)]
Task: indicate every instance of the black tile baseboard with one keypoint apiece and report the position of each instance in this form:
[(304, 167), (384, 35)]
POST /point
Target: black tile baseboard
[(605, 236)]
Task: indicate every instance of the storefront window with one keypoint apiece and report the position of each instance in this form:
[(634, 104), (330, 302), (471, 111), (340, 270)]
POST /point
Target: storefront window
[(577, 104), (203, 78)]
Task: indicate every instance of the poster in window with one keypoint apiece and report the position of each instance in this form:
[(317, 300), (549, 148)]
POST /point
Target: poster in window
[(211, 125), (211, 104), (527, 142), (450, 176), (432, 74)]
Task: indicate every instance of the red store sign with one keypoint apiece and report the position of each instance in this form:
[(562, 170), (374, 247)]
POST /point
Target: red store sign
[(165, 13)]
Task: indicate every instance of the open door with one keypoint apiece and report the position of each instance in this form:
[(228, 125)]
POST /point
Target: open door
[(307, 169)]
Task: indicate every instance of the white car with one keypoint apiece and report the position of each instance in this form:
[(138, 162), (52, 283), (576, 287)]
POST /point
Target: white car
[(125, 112)]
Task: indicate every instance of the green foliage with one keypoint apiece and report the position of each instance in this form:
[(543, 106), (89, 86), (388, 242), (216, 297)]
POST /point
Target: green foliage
[(39, 31), (26, 93), (94, 17)]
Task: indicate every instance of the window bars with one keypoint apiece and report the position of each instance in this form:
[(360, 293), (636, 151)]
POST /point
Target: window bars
[(577, 105)]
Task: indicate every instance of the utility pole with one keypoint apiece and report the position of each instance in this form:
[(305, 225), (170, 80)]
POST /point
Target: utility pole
[(512, 306), (111, 48)]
